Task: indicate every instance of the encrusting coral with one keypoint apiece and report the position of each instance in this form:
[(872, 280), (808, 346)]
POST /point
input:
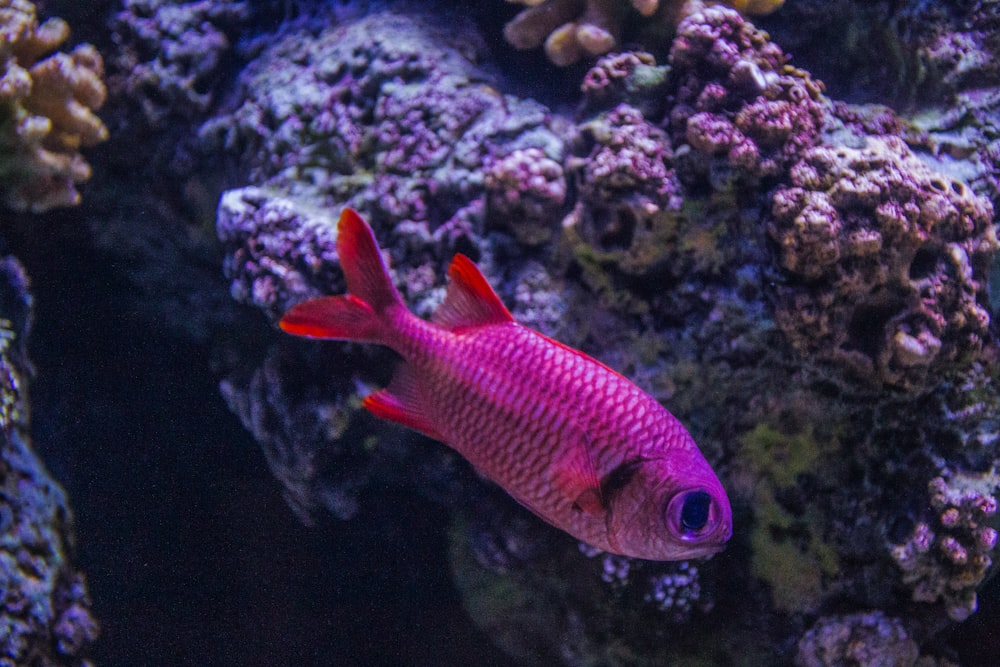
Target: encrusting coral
[(45, 616), (47, 109), (742, 109), (574, 29), (170, 54), (866, 638), (910, 250)]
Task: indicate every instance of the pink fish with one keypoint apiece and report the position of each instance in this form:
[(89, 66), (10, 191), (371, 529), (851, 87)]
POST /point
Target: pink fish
[(569, 438)]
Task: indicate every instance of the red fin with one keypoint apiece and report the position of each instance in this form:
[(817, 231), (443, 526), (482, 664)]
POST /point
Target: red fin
[(354, 316), (402, 402), (366, 274), (342, 317), (470, 301), (574, 474)]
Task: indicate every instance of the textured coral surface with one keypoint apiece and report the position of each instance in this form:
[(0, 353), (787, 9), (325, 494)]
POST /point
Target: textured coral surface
[(45, 616), (906, 250)]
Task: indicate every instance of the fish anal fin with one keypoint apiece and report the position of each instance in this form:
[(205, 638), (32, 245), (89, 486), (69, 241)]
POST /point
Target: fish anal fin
[(401, 402), (469, 301), (575, 477)]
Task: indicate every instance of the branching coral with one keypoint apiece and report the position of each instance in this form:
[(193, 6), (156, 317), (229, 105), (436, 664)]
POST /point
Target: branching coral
[(889, 262), (46, 110), (946, 558), (575, 29)]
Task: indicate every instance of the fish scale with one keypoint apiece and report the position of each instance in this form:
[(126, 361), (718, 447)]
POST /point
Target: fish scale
[(572, 440)]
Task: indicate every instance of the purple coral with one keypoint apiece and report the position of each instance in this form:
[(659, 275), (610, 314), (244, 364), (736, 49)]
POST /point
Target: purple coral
[(725, 366), (170, 54), (387, 113), (948, 565), (627, 187), (888, 262), (279, 253), (737, 100), (632, 78), (45, 616), (525, 194)]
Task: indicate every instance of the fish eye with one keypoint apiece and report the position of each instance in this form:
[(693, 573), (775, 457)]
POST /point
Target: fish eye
[(691, 514)]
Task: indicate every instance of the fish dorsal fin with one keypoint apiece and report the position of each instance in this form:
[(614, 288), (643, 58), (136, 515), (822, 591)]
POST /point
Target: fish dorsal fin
[(574, 474), (469, 301)]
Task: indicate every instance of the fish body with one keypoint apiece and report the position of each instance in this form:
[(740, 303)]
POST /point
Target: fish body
[(569, 438)]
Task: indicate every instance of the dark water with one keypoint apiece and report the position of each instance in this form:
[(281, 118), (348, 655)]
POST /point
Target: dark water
[(192, 555)]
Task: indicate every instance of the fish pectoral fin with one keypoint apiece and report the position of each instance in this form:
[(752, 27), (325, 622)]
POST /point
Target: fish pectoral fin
[(469, 301), (589, 502), (576, 478), (401, 402)]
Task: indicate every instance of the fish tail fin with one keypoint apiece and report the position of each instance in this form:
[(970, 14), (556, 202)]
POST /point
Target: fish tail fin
[(366, 273), (360, 315)]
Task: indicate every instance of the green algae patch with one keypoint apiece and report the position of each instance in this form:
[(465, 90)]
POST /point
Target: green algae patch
[(789, 552)]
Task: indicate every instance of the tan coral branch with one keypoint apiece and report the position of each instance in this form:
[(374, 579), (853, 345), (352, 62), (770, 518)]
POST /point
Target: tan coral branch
[(47, 107), (575, 29)]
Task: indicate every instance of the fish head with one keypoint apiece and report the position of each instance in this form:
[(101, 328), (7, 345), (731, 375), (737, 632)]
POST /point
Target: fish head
[(668, 508)]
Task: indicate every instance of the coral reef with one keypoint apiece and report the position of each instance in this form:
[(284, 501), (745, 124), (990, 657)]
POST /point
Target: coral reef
[(44, 605), (628, 193), (575, 29), (906, 251), (394, 121), (444, 159), (930, 51), (47, 105), (793, 277), (390, 115), (525, 193)]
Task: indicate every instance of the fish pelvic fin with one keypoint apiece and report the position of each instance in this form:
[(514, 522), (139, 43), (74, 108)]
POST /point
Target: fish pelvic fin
[(359, 315), (402, 402), (469, 301)]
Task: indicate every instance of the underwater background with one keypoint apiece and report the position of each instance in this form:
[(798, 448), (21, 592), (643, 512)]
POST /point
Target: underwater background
[(777, 218)]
